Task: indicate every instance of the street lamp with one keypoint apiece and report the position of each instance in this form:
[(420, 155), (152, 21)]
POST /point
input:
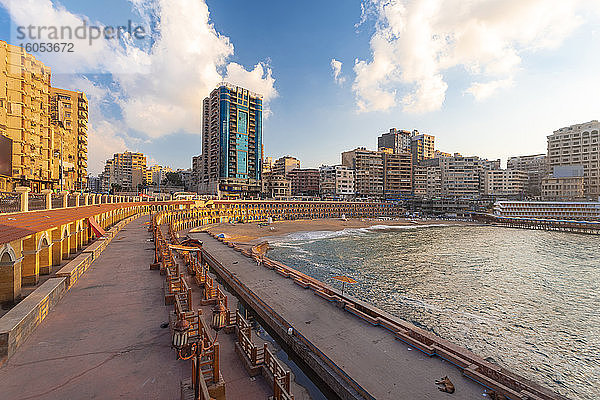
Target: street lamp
[(219, 317), (181, 334)]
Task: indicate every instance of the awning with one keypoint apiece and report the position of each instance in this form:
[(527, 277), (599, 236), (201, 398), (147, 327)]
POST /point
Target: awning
[(97, 229)]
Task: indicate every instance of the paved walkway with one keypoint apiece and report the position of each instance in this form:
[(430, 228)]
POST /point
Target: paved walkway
[(385, 367), (103, 340)]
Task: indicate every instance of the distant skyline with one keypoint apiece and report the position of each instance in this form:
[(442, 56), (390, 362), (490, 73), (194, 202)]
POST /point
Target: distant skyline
[(488, 78)]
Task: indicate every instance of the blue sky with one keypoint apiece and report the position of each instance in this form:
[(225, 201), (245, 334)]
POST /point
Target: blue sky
[(491, 78)]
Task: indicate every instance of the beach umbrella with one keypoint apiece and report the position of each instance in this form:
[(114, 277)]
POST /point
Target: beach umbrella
[(344, 279)]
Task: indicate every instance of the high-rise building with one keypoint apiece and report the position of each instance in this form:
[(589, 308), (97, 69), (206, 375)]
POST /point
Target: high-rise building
[(284, 165), (536, 167), (231, 142), (336, 182), (124, 172), (461, 176), (305, 182), (397, 140), (69, 110), (397, 175), (41, 128), (419, 180), (368, 171), (27, 138), (578, 145), (422, 147), (196, 167), (509, 183)]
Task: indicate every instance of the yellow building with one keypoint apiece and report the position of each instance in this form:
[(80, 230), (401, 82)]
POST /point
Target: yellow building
[(27, 138), (35, 120), (124, 172), (156, 174), (69, 112)]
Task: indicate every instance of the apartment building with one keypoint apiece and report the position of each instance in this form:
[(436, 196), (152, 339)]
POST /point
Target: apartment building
[(69, 114), (509, 183), (41, 128), (27, 138), (196, 166), (284, 165), (433, 188), (536, 168), (267, 165), (231, 142), (578, 145), (156, 174), (460, 176), (336, 182), (419, 180), (124, 172), (397, 175), (397, 140), (276, 187), (566, 183), (422, 147), (305, 182), (368, 171)]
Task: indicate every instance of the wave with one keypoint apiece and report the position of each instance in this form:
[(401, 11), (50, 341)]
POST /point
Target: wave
[(312, 236)]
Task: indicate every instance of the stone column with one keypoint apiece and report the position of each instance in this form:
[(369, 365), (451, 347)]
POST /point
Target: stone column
[(86, 199), (48, 198), (24, 192), (65, 198), (30, 272)]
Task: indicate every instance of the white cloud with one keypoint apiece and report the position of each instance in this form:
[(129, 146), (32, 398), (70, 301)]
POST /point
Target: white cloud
[(159, 87), (336, 67), (482, 91), (416, 41)]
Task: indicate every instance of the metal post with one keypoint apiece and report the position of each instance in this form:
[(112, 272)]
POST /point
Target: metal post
[(199, 352)]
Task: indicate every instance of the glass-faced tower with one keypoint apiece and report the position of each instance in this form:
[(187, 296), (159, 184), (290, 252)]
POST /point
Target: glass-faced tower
[(231, 142)]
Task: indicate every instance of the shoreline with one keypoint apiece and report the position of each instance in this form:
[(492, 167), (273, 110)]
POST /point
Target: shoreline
[(253, 233)]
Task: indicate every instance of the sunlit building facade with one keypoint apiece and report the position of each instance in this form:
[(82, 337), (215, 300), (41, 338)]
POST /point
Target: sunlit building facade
[(231, 142)]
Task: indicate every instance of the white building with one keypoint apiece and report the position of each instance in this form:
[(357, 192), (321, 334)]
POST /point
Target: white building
[(336, 181), (586, 211), (504, 183), (578, 145)]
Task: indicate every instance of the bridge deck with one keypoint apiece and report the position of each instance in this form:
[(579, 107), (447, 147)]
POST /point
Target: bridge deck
[(103, 340), (384, 366)]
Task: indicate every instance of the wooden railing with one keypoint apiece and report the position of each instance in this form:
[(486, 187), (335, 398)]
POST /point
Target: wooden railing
[(262, 356)]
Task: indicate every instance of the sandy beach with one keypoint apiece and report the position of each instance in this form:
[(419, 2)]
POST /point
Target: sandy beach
[(254, 232)]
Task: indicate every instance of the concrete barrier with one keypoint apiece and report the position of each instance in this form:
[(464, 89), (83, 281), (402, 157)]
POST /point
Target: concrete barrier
[(19, 323)]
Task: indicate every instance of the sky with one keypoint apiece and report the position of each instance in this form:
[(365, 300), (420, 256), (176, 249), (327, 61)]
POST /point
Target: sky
[(490, 78)]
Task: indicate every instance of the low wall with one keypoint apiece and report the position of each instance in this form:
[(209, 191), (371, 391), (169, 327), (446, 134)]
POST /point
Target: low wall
[(19, 323), (75, 268)]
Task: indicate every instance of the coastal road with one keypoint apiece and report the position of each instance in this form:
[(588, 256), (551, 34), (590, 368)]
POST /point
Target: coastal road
[(383, 366)]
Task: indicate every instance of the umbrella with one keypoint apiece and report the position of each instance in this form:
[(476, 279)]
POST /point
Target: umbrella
[(344, 279)]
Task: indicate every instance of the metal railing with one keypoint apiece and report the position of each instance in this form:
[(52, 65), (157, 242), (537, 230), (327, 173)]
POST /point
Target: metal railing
[(10, 202), (57, 201), (37, 201), (72, 200)]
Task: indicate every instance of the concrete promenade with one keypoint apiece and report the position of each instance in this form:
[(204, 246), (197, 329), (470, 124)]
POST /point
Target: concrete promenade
[(383, 366), (103, 340)]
